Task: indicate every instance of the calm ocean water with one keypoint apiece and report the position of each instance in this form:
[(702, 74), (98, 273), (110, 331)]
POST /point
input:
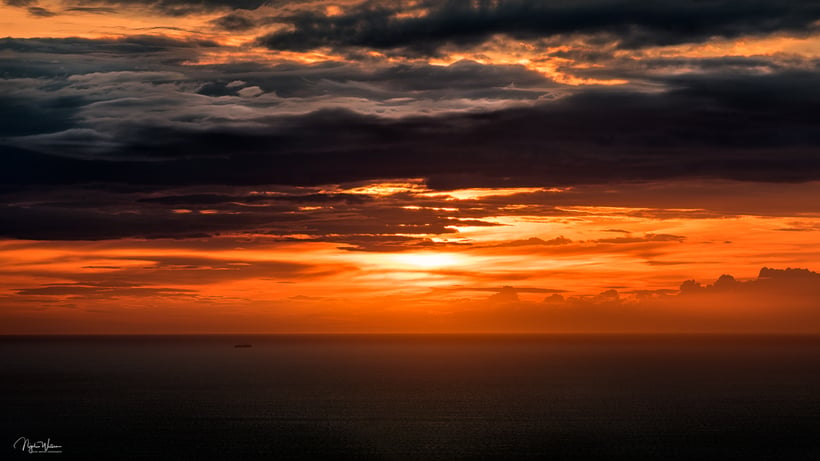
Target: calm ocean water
[(413, 397)]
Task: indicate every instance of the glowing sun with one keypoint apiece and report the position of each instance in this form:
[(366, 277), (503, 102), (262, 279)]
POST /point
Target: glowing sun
[(428, 260)]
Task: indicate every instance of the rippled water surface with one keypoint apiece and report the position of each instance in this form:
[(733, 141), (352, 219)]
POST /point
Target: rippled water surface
[(413, 397)]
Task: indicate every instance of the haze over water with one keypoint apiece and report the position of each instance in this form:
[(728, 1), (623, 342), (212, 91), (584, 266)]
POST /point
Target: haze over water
[(406, 397)]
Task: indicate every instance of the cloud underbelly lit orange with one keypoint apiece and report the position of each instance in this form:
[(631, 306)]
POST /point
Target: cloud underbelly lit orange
[(344, 166)]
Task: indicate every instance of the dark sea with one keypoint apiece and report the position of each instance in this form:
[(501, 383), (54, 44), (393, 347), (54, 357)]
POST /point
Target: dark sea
[(418, 397)]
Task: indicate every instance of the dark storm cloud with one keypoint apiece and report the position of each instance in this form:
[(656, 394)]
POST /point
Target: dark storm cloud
[(60, 58), (46, 82), (125, 46), (634, 23), (256, 200), (72, 223), (636, 68), (20, 116), (357, 222), (80, 113), (759, 127), (464, 75), (464, 79)]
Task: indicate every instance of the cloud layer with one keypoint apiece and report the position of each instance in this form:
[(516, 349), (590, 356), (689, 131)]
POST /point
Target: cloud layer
[(427, 154), (430, 25)]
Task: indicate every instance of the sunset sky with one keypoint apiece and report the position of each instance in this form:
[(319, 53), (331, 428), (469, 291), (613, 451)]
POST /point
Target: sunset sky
[(216, 166)]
